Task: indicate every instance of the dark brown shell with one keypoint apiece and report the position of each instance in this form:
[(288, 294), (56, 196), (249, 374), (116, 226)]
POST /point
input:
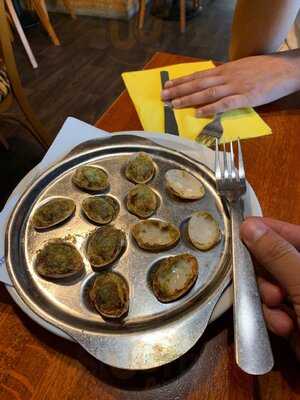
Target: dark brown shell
[(90, 178), (142, 201), (59, 259), (100, 209), (174, 277), (140, 169), (110, 295), (53, 212), (104, 246), (155, 235)]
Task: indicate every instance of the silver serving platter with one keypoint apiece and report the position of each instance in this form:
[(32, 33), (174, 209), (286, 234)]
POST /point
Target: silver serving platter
[(153, 333)]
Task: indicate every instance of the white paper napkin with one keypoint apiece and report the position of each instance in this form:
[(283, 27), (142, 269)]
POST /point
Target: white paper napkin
[(73, 133)]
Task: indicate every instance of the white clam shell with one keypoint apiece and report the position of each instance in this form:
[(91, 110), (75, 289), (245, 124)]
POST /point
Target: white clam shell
[(184, 185), (203, 230)]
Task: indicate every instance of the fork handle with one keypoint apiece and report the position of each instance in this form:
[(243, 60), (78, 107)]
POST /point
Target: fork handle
[(252, 345)]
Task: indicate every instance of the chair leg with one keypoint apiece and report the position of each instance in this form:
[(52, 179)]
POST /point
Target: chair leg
[(41, 10), (182, 16), (20, 31), (142, 13), (70, 8)]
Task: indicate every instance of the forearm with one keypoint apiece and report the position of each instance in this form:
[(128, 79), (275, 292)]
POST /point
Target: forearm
[(260, 26)]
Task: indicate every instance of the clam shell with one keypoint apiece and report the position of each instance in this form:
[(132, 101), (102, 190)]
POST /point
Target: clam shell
[(110, 295), (100, 209), (53, 212), (203, 230), (59, 259), (142, 201), (174, 276), (184, 185), (90, 178), (155, 235), (140, 169), (104, 246)]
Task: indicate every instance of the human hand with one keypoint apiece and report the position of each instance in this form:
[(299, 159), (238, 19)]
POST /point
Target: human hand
[(276, 246), (247, 82)]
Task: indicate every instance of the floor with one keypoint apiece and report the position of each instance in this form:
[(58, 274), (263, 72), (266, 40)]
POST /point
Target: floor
[(82, 77)]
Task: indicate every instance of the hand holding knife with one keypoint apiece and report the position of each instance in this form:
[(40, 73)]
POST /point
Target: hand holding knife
[(170, 120)]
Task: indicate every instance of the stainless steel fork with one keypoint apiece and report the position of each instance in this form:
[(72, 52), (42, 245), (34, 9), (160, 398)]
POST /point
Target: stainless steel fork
[(211, 131), (252, 345)]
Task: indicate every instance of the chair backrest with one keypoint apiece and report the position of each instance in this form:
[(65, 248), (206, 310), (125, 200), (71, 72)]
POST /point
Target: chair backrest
[(7, 50), (37, 130)]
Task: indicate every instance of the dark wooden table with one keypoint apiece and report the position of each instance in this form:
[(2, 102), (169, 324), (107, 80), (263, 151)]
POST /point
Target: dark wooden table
[(36, 365)]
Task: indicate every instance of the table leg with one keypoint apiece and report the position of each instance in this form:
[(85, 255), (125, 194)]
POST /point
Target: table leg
[(21, 33)]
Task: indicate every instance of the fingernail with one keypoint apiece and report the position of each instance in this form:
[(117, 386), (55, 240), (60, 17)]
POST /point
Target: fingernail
[(199, 113), (252, 230), (168, 84), (176, 103), (165, 94)]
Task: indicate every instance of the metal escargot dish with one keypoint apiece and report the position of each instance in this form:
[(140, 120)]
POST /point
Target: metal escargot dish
[(138, 290)]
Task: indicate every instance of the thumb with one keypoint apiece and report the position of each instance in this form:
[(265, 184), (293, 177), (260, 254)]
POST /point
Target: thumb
[(276, 254)]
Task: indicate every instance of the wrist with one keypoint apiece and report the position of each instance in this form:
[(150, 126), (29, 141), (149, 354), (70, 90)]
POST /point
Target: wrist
[(292, 58)]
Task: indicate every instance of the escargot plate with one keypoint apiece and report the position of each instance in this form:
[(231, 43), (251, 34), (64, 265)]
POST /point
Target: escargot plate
[(90, 178), (203, 230), (142, 201), (140, 169), (184, 185), (105, 245), (59, 259), (174, 276), (100, 209), (53, 212), (110, 294), (155, 235)]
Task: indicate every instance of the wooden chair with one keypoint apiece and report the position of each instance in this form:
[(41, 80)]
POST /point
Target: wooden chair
[(182, 4), (33, 125), (39, 6)]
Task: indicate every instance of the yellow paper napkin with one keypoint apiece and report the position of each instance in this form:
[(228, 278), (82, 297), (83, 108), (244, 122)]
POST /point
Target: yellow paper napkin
[(144, 88)]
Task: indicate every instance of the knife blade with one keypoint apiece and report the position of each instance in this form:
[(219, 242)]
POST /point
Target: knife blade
[(170, 120)]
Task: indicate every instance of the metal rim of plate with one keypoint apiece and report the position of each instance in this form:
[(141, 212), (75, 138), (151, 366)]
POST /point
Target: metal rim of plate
[(153, 333)]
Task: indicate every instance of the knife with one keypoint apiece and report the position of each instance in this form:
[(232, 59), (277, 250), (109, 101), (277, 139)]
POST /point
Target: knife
[(170, 120)]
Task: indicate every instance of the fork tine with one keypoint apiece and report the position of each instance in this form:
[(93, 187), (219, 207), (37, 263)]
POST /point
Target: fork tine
[(218, 173), (233, 174), (225, 172), (230, 165), (241, 162)]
